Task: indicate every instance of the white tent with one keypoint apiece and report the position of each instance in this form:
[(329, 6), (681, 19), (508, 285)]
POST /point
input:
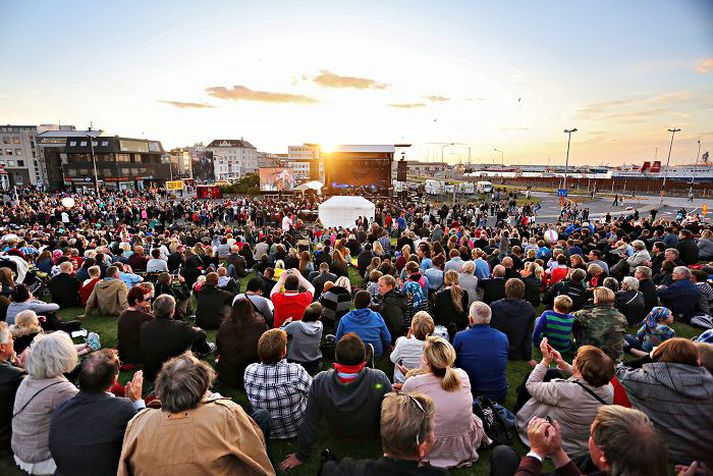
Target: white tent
[(311, 185), (344, 211)]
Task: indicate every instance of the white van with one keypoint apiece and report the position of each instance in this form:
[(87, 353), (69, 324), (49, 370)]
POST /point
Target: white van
[(433, 187), (485, 187)]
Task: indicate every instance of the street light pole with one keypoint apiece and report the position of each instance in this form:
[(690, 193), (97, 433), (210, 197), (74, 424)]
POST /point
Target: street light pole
[(94, 161), (668, 160), (502, 156), (443, 163), (566, 162)]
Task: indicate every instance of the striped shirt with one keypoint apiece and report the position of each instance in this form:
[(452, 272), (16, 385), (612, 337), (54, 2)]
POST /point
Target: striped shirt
[(556, 327)]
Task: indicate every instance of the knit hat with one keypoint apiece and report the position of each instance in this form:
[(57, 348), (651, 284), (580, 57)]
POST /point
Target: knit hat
[(658, 314)]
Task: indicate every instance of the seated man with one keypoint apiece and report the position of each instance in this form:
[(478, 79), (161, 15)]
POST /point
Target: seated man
[(406, 439), (93, 421), (621, 441), (263, 306), (156, 264), (681, 296), (365, 323), (64, 287), (10, 378), (211, 303), (483, 353), (493, 288), (195, 431), (318, 278), (163, 337), (277, 386), (349, 396), (109, 295), (602, 325), (292, 303), (515, 317)]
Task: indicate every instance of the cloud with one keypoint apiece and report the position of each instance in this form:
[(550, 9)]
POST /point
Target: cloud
[(704, 65), (327, 79), (408, 105), (636, 108), (186, 105), (435, 98), (242, 93)]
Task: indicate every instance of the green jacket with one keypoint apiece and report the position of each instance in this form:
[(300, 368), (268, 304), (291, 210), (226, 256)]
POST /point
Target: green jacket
[(601, 326)]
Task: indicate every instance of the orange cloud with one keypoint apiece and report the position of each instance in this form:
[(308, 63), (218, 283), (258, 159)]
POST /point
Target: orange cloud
[(242, 93), (186, 105), (435, 98), (328, 79), (408, 105), (705, 65)]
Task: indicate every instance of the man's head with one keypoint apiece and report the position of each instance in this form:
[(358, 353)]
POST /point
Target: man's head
[(386, 284), (350, 350), (66, 267), (272, 346), (507, 262), (407, 425), (681, 273), (671, 254), (624, 441), (7, 348), (324, 267), (480, 313), (182, 383), (604, 296), (254, 286), (211, 279), (498, 271), (642, 273), (514, 288), (292, 283), (362, 299), (164, 306), (593, 365), (112, 272), (99, 371)]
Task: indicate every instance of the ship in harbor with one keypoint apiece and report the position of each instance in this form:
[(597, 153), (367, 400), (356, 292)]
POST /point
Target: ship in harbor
[(697, 172)]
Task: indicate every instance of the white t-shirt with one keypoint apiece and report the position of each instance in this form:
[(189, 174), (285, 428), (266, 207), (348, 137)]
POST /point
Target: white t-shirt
[(409, 352)]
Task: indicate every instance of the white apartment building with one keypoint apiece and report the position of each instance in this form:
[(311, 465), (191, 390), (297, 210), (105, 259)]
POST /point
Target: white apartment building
[(232, 158), (20, 156), (300, 159)]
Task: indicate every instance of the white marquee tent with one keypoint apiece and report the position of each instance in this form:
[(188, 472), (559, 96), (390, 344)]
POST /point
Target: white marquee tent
[(344, 211)]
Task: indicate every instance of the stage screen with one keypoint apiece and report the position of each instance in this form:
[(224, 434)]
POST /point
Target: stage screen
[(276, 179), (347, 172)]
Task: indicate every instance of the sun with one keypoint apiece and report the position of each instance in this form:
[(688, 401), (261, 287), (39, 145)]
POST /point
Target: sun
[(328, 147)]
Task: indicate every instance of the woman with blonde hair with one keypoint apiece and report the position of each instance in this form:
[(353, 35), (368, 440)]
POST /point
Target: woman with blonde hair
[(459, 433), (451, 308), (339, 264), (409, 349), (377, 249)]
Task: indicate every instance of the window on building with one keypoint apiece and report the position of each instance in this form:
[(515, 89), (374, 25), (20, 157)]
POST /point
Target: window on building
[(1, 152), (15, 140), (10, 163), (8, 151), (73, 143), (83, 143), (105, 143), (5, 140), (20, 163), (72, 172), (34, 154), (18, 151)]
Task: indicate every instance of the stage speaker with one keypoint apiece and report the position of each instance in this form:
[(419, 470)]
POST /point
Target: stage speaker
[(401, 170)]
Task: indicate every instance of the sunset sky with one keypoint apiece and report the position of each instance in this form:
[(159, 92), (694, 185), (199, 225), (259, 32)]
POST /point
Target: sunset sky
[(507, 75)]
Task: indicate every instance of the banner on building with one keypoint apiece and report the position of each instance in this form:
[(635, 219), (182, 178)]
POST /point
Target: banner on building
[(174, 185)]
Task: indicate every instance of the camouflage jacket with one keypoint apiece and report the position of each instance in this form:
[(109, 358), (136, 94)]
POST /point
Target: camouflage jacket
[(601, 326)]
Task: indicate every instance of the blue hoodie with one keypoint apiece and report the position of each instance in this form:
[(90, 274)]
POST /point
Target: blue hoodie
[(368, 325)]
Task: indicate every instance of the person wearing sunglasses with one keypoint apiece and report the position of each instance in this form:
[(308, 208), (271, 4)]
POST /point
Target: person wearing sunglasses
[(407, 436)]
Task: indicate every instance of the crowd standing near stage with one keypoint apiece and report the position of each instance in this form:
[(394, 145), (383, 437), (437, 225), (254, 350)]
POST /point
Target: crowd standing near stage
[(447, 295)]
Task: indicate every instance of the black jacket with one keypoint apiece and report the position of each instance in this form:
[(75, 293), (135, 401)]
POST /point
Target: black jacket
[(533, 288), (162, 339), (648, 289), (516, 319), (86, 434), (493, 288), (65, 290), (632, 305), (688, 251), (210, 309), (576, 292), (10, 379), (317, 278), (445, 312), (393, 309), (363, 261)]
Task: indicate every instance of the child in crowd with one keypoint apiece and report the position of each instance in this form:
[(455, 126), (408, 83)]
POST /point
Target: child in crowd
[(373, 287), (653, 332), (408, 350), (556, 325), (304, 338)]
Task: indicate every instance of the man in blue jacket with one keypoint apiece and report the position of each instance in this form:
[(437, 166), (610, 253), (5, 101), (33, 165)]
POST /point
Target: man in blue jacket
[(681, 296), (365, 323), (483, 353)]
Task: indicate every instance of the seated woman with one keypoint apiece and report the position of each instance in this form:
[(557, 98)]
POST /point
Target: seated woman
[(336, 300), (459, 433), (451, 309), (653, 332), (237, 341), (128, 335), (630, 301), (27, 327), (573, 402), (178, 289), (408, 351), (22, 300), (676, 393), (45, 388)]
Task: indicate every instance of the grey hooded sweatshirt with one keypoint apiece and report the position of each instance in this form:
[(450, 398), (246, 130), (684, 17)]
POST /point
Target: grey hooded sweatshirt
[(305, 338), (678, 398)]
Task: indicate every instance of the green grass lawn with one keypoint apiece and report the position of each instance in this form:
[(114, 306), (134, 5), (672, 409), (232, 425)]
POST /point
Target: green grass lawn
[(106, 328)]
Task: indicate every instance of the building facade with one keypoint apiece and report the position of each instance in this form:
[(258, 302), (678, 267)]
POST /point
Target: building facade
[(20, 156), (305, 160), (52, 140), (121, 163), (233, 158)]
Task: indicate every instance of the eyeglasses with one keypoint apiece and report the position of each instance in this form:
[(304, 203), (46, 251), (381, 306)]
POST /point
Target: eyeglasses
[(419, 405)]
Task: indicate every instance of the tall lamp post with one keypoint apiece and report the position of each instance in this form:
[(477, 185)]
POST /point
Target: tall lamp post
[(94, 162), (502, 156), (668, 160), (443, 163), (566, 162)]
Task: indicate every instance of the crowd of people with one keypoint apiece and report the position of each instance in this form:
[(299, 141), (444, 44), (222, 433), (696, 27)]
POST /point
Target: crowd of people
[(306, 316)]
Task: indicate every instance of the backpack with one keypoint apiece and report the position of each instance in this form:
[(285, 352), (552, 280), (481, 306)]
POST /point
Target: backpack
[(496, 421)]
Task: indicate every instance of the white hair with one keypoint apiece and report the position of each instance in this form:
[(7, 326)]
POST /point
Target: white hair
[(4, 333), (631, 283), (344, 282), (66, 267), (638, 244), (480, 313), (51, 355)]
